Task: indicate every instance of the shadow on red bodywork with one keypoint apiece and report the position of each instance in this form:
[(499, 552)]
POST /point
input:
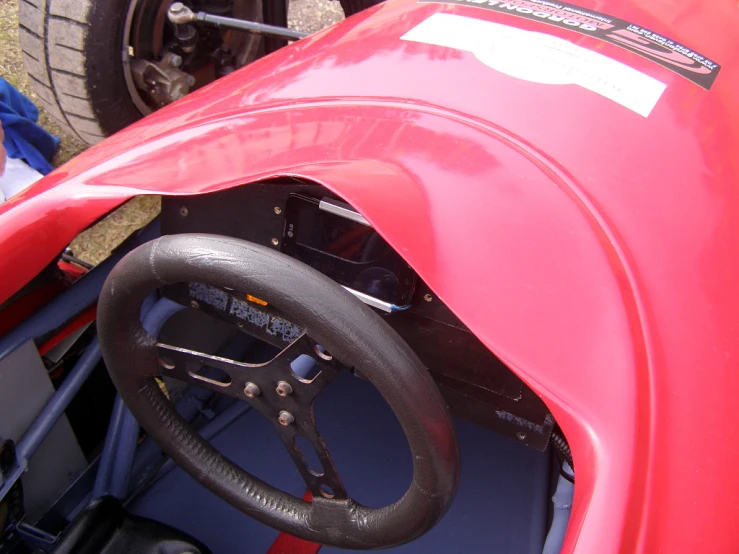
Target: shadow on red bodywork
[(592, 249)]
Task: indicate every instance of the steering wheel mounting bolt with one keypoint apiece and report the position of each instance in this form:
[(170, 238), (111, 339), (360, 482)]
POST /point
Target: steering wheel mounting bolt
[(251, 390), (284, 388), (286, 418)]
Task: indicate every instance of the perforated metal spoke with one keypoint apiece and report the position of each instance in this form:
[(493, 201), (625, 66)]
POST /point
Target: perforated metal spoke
[(282, 389), (308, 451), (218, 374)]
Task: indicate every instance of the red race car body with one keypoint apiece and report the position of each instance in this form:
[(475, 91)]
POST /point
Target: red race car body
[(566, 182)]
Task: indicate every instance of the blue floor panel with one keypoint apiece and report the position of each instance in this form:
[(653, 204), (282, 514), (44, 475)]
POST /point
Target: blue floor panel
[(500, 507)]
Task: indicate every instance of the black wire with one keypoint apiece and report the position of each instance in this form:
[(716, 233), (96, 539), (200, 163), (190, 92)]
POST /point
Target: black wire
[(71, 258), (564, 454)]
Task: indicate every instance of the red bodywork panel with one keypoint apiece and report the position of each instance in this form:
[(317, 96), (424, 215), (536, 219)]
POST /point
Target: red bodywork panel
[(591, 248)]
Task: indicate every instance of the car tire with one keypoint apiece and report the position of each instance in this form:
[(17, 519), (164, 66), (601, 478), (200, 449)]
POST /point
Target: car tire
[(72, 52), (73, 58)]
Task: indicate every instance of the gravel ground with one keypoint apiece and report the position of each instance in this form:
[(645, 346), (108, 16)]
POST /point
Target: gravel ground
[(95, 244)]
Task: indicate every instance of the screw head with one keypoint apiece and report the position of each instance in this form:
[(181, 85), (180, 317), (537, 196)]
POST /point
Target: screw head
[(521, 435), (286, 418), (427, 297), (278, 210), (183, 211), (194, 304), (284, 388), (251, 390), (275, 242), (175, 60)]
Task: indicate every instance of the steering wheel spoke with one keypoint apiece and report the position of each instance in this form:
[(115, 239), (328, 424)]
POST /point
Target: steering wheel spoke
[(217, 374), (299, 434), (307, 365), (281, 390)]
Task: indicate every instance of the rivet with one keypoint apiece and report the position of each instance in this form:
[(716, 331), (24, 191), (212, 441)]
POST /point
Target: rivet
[(278, 210), (195, 304), (427, 297), (251, 390), (275, 242), (183, 211), (521, 435), (284, 388), (286, 418)]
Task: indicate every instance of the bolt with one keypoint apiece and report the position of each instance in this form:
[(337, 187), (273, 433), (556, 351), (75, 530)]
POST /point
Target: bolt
[(521, 435), (175, 60), (286, 418), (195, 304), (240, 325), (284, 388), (275, 242), (183, 211), (251, 390), (428, 297), (180, 14), (278, 210)]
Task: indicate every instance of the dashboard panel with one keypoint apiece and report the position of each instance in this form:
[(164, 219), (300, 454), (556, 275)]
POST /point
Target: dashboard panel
[(309, 223)]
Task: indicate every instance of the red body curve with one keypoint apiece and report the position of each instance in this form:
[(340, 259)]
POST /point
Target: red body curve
[(590, 247)]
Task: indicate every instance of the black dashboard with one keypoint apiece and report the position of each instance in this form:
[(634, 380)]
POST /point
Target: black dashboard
[(309, 223)]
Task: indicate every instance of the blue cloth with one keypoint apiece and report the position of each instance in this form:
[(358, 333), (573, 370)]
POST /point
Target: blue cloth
[(23, 137)]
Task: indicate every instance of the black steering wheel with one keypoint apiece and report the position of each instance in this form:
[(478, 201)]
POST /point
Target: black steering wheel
[(349, 334)]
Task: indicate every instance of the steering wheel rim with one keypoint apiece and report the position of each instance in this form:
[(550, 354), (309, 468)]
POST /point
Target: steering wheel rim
[(330, 316)]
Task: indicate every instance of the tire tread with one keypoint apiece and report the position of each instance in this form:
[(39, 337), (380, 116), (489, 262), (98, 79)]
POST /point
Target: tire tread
[(52, 35)]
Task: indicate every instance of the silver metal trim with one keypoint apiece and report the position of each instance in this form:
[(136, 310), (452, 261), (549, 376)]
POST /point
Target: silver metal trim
[(342, 210), (372, 301)]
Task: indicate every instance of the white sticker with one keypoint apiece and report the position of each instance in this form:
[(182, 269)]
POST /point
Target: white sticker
[(541, 58)]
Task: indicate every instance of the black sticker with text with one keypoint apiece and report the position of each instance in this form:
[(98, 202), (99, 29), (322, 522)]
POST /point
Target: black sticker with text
[(666, 52)]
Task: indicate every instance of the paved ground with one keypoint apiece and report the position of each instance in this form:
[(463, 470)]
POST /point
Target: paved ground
[(95, 244)]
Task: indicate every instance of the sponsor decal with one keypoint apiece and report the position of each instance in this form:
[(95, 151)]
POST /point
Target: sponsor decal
[(648, 44), (541, 58)]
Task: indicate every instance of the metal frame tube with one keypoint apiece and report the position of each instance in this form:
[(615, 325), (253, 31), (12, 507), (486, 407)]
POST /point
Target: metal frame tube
[(52, 411), (76, 298), (105, 468), (125, 451), (116, 461), (59, 401)]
